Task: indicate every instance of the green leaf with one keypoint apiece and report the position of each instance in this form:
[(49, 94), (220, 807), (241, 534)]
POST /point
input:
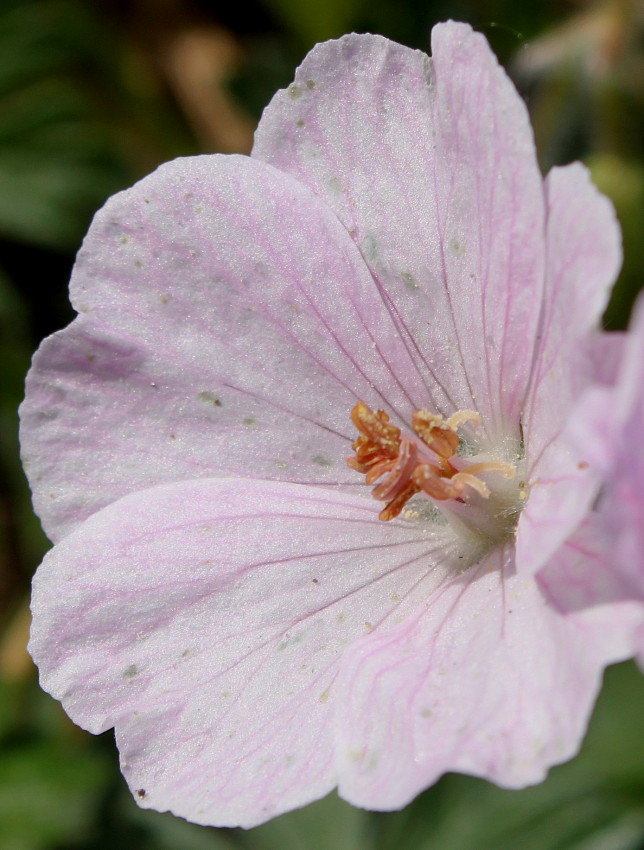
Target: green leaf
[(313, 22), (57, 154), (48, 795), (130, 826), (326, 825), (22, 542), (623, 181)]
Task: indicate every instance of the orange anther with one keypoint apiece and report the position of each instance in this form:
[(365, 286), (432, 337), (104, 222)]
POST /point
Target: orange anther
[(435, 433), (433, 482), (378, 441), (406, 467)]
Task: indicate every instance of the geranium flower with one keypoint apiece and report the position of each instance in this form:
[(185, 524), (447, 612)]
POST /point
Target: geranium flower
[(603, 561), (222, 590)]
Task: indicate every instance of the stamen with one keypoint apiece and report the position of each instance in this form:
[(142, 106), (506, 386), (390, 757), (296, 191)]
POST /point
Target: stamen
[(466, 479), (393, 508), (429, 479), (410, 466), (460, 417), (506, 469), (435, 433), (379, 440), (400, 474)]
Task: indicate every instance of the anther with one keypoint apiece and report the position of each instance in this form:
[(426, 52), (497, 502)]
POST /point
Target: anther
[(408, 466)]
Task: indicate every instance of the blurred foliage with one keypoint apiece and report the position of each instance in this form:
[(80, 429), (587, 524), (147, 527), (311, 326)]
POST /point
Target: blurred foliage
[(56, 159), (585, 82), (93, 96), (321, 21)]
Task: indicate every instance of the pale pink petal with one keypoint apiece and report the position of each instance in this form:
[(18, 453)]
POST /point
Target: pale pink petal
[(228, 325), (607, 427), (623, 502), (604, 560), (594, 429), (582, 574), (606, 350), (430, 164), (584, 256), (559, 498), (488, 679), (205, 620), (618, 428)]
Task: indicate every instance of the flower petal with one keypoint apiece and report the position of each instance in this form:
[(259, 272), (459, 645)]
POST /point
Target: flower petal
[(622, 505), (228, 325), (581, 573), (603, 560), (606, 352), (205, 620), (584, 256), (430, 164), (488, 680)]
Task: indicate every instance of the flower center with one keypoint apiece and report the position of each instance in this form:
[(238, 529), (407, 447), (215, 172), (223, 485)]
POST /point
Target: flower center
[(427, 462)]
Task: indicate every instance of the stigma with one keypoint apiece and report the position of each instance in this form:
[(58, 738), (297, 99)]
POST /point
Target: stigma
[(425, 462)]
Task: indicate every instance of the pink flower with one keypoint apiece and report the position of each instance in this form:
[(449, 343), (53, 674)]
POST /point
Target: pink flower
[(222, 590), (603, 561)]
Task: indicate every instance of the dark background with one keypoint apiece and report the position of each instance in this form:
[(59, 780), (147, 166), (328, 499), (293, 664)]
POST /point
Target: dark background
[(93, 95)]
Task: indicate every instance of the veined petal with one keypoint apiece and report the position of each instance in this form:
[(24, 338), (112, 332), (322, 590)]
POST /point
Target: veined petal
[(430, 164), (559, 499), (582, 573), (622, 505), (488, 680), (205, 621), (603, 560), (606, 350), (228, 325), (584, 256)]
